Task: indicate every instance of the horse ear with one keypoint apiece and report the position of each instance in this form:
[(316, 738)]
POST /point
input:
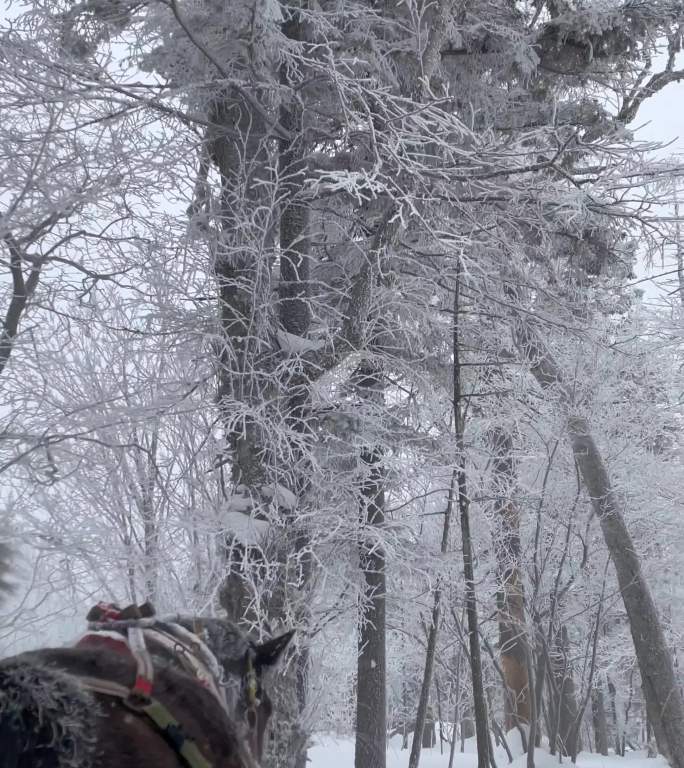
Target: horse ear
[(268, 653)]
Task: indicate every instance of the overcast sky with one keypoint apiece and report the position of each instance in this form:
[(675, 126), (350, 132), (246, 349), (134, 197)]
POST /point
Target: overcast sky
[(661, 119)]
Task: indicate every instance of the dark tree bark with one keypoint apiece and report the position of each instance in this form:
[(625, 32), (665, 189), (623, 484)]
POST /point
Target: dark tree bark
[(242, 282), (565, 704), (457, 725), (244, 347), (467, 726), (22, 290), (294, 312), (371, 709), (422, 714), (414, 758), (617, 736), (533, 686), (599, 719), (248, 357), (428, 739), (484, 756)]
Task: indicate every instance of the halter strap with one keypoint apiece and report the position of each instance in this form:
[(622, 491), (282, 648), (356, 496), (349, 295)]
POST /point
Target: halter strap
[(160, 716), (189, 659), (194, 654)]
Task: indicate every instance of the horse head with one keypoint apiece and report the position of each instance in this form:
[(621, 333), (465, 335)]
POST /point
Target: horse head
[(242, 662)]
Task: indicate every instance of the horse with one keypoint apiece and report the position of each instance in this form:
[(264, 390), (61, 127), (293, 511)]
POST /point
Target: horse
[(137, 690)]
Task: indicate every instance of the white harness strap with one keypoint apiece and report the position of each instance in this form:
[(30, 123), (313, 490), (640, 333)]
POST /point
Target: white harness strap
[(106, 687), (145, 671), (193, 653), (194, 641), (181, 648)]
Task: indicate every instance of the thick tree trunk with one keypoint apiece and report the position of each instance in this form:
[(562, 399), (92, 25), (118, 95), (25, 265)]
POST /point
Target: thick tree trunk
[(252, 227), (294, 313), (510, 599), (429, 738), (371, 715), (242, 270), (661, 691)]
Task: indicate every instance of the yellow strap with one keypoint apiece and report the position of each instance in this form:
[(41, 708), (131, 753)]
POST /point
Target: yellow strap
[(158, 714), (171, 728)]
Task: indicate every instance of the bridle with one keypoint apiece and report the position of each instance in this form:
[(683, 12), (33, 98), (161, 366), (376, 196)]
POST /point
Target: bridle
[(251, 687)]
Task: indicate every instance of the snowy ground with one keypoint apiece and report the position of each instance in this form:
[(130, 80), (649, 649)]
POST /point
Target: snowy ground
[(331, 752)]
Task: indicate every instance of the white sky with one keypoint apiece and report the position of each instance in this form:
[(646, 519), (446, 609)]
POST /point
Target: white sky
[(661, 119)]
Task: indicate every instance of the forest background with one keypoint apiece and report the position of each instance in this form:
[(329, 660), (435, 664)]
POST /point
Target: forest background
[(332, 315)]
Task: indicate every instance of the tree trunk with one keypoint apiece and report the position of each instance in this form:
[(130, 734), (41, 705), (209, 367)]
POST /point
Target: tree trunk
[(467, 726), (617, 730), (371, 717), (479, 701), (680, 247), (598, 711), (23, 289), (510, 598), (565, 705), (145, 461), (254, 229), (242, 270), (457, 724), (432, 636), (422, 714), (530, 741), (294, 312), (440, 718), (539, 675), (661, 691), (454, 733), (428, 739)]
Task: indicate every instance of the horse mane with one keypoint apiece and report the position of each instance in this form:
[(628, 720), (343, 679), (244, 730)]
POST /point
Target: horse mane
[(61, 712)]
